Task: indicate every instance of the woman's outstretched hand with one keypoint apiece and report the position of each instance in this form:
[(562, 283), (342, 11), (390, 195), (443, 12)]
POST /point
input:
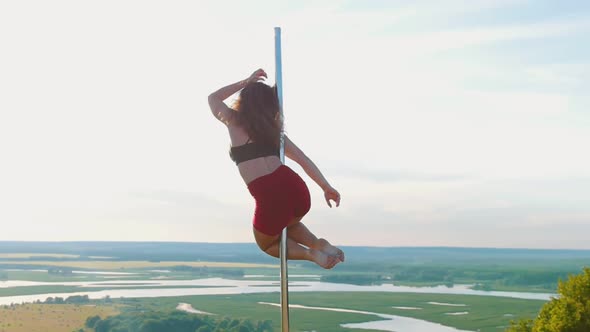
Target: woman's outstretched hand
[(332, 194), (256, 76)]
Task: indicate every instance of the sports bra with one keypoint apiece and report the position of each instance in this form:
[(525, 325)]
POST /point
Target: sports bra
[(251, 150)]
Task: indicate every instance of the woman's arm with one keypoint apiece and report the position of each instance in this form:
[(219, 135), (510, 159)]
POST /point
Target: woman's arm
[(218, 107), (295, 154)]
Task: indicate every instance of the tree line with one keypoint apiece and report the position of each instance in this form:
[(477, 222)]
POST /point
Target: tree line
[(74, 299), (205, 271), (177, 321), (486, 277)]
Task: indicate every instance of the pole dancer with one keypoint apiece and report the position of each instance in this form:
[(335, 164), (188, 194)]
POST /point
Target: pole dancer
[(282, 198)]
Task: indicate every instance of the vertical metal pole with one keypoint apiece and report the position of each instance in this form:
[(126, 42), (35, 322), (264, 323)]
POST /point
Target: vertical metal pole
[(283, 251)]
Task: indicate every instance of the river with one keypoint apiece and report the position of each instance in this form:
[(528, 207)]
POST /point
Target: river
[(220, 286)]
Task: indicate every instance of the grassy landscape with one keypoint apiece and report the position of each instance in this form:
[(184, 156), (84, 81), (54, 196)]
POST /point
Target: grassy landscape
[(485, 313), (50, 317), (509, 270), (30, 290)]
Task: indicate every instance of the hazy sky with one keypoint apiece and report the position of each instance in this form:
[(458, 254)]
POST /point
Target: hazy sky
[(454, 123)]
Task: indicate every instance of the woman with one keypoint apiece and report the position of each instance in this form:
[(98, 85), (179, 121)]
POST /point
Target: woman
[(282, 197)]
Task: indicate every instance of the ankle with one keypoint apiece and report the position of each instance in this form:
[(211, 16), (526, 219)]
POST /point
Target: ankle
[(311, 254), (321, 243), (317, 243)]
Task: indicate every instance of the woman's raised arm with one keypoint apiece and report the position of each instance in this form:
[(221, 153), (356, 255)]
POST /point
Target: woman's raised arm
[(218, 107)]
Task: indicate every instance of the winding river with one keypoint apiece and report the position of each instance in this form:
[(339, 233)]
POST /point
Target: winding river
[(219, 286)]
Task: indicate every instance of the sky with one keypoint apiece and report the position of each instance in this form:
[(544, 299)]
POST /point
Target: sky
[(459, 123)]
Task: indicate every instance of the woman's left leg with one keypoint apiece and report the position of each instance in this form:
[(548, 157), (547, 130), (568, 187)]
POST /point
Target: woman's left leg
[(299, 233), (271, 245)]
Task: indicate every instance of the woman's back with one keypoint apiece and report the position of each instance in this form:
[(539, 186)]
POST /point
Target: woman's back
[(253, 168)]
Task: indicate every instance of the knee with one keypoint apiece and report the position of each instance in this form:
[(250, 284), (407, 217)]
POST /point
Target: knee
[(270, 249), (266, 243), (272, 252), (264, 246), (267, 246)]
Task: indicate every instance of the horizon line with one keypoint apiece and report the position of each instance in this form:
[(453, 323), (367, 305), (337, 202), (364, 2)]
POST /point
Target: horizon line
[(252, 243)]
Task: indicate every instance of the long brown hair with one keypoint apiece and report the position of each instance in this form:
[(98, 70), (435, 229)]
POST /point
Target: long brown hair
[(258, 113)]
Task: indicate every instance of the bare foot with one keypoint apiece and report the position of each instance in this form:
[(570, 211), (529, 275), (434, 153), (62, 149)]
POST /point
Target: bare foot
[(333, 261), (322, 259), (329, 249)]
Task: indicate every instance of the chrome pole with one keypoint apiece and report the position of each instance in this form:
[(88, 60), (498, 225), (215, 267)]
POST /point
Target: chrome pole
[(283, 250)]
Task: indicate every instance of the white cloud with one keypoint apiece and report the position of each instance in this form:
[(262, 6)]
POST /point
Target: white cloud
[(436, 41)]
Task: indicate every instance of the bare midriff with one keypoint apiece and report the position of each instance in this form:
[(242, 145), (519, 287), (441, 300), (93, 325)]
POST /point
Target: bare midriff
[(250, 170)]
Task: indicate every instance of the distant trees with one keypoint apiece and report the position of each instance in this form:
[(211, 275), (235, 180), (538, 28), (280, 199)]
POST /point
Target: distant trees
[(204, 271), (91, 321), (173, 321), (74, 299), (570, 312), (487, 277), (77, 299), (152, 325), (355, 279), (54, 300)]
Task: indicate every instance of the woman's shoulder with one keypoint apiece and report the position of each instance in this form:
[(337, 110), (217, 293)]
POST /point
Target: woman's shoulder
[(237, 134)]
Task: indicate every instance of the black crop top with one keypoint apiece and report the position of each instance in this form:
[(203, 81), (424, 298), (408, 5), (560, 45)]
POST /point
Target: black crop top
[(251, 151)]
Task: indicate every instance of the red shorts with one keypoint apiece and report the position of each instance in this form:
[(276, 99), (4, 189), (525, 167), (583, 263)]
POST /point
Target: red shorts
[(280, 197)]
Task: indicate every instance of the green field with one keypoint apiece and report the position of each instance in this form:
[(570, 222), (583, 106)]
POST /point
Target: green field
[(490, 269), (485, 313)]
